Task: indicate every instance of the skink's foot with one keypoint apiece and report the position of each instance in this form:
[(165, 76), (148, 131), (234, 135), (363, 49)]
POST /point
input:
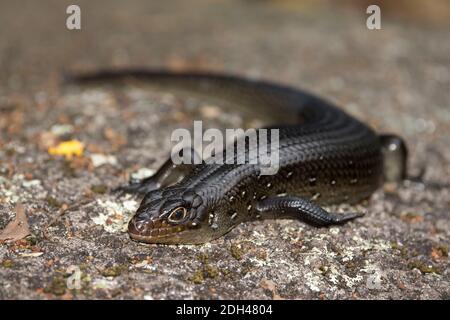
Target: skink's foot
[(137, 188), (166, 175)]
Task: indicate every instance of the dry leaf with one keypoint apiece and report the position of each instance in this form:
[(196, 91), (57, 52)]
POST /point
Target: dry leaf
[(18, 228)]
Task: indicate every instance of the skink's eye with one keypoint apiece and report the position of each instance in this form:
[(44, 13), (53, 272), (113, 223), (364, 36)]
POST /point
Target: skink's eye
[(177, 214)]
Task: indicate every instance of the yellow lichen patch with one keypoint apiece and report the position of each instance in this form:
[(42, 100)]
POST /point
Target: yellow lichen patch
[(68, 149)]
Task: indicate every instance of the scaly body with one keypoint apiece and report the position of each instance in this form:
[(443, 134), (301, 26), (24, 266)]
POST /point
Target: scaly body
[(329, 157)]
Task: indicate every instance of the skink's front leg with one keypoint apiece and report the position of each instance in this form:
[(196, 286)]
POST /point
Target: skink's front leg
[(299, 208), (168, 174)]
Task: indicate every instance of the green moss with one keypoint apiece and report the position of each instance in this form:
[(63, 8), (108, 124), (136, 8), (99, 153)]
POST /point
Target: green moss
[(32, 240), (205, 271), (57, 286), (401, 249), (99, 188), (236, 252), (203, 257), (411, 215), (148, 271), (52, 202), (395, 246), (113, 271), (210, 271), (7, 263), (424, 268), (83, 267), (226, 273), (197, 277), (85, 278), (443, 249)]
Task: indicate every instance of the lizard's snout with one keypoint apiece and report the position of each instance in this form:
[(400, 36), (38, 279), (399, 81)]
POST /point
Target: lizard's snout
[(138, 225)]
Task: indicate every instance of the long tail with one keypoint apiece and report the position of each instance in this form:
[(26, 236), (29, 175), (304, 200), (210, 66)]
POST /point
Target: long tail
[(253, 97)]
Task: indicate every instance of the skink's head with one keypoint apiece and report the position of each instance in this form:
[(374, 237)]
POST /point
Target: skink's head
[(170, 216)]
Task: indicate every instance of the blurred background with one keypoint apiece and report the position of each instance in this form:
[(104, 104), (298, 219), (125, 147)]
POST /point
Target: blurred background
[(263, 35), (323, 46)]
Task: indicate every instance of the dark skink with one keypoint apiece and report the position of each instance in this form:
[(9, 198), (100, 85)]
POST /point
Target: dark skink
[(328, 157)]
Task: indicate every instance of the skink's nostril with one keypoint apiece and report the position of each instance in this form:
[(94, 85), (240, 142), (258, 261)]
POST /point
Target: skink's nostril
[(140, 224)]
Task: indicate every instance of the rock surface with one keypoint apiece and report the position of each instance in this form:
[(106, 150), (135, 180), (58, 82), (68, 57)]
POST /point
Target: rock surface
[(395, 79)]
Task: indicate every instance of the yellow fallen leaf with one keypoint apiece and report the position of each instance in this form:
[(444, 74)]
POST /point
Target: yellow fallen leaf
[(18, 228), (68, 149)]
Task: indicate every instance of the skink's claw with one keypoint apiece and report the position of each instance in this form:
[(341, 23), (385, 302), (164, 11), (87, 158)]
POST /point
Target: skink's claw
[(119, 191), (127, 189)]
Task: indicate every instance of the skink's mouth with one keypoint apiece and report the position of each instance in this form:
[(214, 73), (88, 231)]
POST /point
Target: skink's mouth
[(154, 231)]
